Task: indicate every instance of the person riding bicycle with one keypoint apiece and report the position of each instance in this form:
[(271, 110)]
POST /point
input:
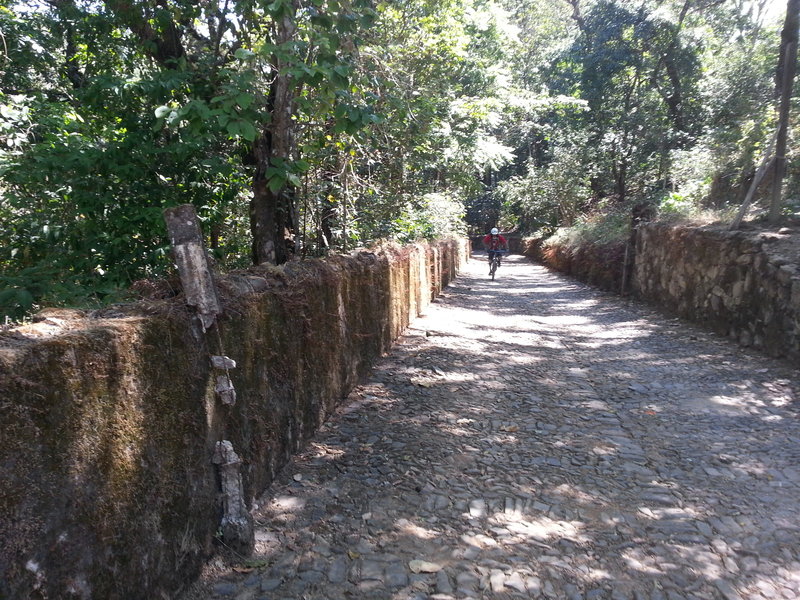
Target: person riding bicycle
[(493, 242)]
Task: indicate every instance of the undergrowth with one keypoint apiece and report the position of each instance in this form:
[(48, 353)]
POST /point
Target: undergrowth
[(607, 225), (610, 224)]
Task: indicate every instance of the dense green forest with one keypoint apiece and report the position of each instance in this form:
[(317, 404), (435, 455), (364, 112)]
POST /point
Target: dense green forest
[(304, 127)]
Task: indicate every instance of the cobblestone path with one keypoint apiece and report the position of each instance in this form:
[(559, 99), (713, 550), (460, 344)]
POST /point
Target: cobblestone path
[(535, 438)]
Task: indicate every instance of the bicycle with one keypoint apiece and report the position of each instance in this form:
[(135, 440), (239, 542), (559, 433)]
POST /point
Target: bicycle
[(495, 261)]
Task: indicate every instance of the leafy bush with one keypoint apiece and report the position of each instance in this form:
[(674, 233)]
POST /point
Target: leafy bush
[(607, 224), (436, 215), (674, 204), (674, 207), (31, 288)]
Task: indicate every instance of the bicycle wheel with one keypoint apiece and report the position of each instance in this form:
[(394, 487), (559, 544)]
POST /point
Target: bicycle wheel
[(494, 268)]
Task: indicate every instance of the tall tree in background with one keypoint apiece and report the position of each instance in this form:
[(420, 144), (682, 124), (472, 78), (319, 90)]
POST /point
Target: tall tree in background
[(787, 66), (271, 206), (641, 84), (677, 96), (264, 114)]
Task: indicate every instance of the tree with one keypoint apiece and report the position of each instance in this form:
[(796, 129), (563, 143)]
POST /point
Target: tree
[(787, 66), (641, 84), (418, 130)]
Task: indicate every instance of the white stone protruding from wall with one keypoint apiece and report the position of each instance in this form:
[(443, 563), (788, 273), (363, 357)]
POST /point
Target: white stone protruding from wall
[(237, 523)]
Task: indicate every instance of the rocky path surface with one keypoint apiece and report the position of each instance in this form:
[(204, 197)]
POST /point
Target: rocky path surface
[(535, 438)]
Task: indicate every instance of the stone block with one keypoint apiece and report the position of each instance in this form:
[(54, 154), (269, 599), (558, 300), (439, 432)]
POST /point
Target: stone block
[(786, 273), (737, 291), (795, 296)]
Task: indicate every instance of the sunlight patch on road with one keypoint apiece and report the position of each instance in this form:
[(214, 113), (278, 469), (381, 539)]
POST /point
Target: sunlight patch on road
[(638, 560), (727, 400), (616, 333), (570, 491), (669, 514), (730, 405), (541, 529), (325, 451), (520, 359), (560, 320), (604, 450), (456, 431), (772, 418), (501, 439), (288, 503), (705, 563), (412, 529)]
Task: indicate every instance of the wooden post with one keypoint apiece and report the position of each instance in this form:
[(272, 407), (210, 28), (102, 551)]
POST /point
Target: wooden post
[(190, 257)]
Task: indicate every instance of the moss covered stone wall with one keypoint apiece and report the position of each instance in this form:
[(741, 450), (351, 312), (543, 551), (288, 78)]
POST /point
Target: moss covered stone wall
[(110, 420)]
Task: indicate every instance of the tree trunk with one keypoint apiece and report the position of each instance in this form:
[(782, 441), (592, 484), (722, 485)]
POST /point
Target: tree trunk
[(766, 164), (621, 180), (673, 100), (271, 208), (576, 14), (787, 65)]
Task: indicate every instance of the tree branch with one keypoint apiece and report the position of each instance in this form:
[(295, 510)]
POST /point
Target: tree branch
[(576, 14), (165, 47)]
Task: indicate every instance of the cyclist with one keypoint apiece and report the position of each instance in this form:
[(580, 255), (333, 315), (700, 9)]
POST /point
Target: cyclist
[(494, 242)]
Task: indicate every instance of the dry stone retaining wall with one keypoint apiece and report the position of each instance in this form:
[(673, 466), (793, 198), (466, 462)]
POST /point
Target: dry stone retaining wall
[(110, 420), (733, 282), (730, 281), (601, 266)]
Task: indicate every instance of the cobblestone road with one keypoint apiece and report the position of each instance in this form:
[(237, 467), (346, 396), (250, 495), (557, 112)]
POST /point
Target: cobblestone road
[(535, 438)]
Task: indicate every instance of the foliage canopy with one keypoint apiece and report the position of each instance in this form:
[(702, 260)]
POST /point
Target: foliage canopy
[(303, 127)]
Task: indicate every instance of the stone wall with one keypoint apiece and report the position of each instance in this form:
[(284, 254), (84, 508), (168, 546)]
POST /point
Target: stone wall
[(744, 284), (601, 266), (110, 420), (733, 282)]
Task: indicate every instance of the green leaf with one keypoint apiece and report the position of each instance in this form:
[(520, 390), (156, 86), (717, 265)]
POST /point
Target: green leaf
[(323, 21), (294, 180), (276, 183), (244, 54), (248, 130), (234, 128), (302, 165), (245, 100), (24, 299), (6, 296)]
